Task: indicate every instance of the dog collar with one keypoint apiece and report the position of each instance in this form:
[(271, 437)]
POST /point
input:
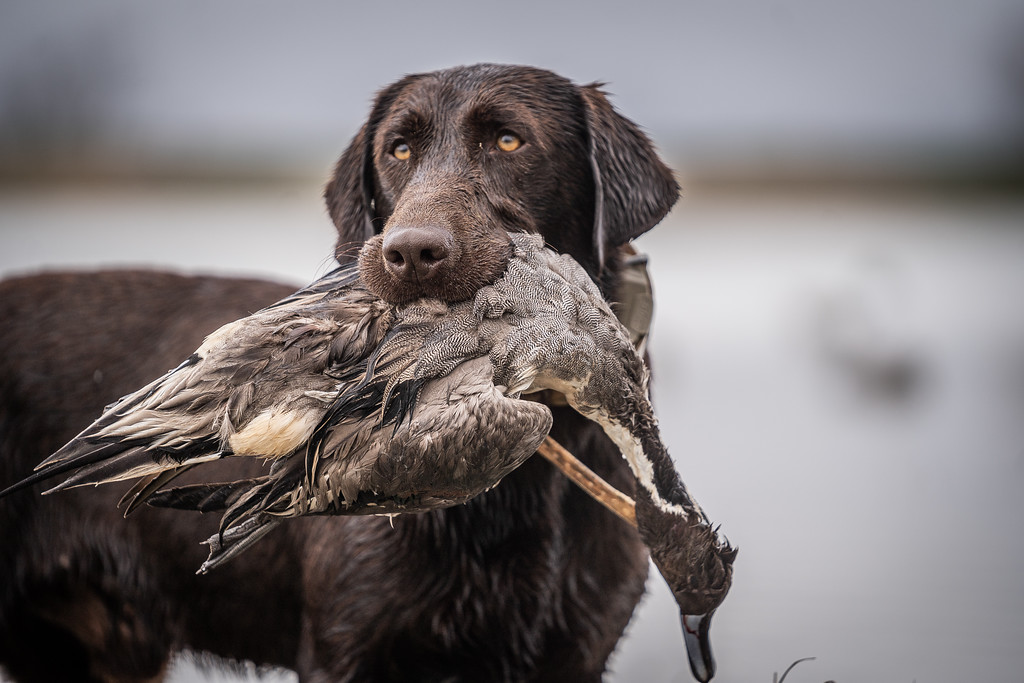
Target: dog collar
[(635, 307)]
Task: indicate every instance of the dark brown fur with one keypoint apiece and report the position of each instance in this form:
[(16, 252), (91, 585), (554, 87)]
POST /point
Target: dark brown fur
[(531, 581)]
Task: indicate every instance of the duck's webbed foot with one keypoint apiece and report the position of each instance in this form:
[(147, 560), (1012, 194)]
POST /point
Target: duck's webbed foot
[(235, 539)]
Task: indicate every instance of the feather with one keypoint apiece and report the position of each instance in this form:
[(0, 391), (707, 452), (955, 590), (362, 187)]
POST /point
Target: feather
[(202, 497), (83, 456), (145, 487)]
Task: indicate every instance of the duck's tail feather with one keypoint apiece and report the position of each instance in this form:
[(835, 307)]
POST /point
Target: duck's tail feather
[(135, 462), (78, 452), (91, 438), (131, 464), (101, 462), (96, 454)]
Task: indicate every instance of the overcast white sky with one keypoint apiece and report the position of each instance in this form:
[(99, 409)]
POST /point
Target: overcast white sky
[(790, 76)]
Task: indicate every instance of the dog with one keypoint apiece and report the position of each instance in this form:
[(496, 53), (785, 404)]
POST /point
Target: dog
[(531, 581)]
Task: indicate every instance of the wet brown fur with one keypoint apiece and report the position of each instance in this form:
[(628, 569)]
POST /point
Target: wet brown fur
[(529, 582)]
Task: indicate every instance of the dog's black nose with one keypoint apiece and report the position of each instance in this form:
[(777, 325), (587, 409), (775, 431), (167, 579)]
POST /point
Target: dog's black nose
[(416, 253)]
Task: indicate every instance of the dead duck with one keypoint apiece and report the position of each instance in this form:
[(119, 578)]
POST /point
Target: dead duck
[(361, 407), (348, 400)]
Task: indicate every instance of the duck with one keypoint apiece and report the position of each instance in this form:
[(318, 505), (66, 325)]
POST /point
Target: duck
[(357, 406)]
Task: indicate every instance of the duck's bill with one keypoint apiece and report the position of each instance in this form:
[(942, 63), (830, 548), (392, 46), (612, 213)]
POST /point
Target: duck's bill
[(696, 629)]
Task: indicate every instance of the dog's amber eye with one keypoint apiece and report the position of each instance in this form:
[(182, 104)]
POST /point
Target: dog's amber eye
[(401, 151), (509, 142)]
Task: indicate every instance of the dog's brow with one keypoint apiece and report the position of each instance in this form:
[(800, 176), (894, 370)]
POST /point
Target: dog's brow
[(408, 122), (496, 114)]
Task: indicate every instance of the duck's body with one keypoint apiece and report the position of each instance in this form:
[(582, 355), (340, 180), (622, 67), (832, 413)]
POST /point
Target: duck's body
[(361, 407), (355, 405)]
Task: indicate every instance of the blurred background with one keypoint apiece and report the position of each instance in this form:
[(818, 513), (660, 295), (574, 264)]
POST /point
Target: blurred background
[(839, 334)]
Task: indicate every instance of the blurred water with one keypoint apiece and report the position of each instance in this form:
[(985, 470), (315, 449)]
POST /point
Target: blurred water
[(878, 522), (840, 378)]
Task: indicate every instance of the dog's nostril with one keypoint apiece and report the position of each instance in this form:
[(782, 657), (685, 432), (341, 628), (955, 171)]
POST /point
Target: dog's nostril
[(416, 253), (432, 255)]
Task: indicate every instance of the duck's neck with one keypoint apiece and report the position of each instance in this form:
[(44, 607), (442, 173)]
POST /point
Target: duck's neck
[(651, 463)]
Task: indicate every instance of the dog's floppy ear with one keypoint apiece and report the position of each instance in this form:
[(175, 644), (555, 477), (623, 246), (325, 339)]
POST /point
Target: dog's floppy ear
[(350, 192), (633, 189), (350, 197)]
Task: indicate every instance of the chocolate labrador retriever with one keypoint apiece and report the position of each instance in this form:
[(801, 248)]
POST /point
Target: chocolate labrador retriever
[(529, 582)]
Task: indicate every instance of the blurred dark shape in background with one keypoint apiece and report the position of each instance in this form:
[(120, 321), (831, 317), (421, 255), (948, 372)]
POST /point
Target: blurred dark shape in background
[(864, 326), (1010, 67)]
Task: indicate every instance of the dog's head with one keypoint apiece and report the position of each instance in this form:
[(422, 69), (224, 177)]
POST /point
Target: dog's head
[(451, 161)]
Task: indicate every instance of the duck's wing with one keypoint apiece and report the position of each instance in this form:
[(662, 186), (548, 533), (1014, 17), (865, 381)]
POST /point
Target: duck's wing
[(460, 437), (457, 436), (338, 280)]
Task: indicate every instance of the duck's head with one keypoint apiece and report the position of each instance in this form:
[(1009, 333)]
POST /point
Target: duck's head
[(697, 566), (688, 551)]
